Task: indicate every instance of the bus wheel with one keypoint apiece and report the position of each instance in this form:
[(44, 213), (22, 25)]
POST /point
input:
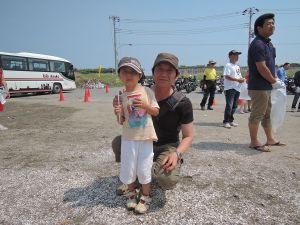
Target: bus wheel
[(56, 88)]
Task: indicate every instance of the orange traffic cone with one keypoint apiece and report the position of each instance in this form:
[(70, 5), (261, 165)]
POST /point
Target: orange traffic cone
[(86, 96), (240, 101), (88, 92), (1, 107), (106, 88), (61, 96), (214, 102)]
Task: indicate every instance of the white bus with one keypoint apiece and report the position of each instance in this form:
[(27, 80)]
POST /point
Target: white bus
[(28, 73)]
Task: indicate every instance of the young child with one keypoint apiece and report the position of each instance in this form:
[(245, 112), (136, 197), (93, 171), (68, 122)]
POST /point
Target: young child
[(244, 101), (136, 106)]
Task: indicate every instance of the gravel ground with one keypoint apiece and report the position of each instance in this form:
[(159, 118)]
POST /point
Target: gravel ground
[(57, 167)]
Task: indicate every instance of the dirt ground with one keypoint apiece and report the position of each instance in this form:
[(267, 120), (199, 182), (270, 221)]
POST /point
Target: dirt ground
[(57, 167)]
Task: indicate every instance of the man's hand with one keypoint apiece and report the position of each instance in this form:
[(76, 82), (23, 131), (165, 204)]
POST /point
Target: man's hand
[(278, 84), (170, 161), (204, 86)]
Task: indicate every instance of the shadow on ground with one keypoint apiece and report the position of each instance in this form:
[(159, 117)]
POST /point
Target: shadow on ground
[(242, 149), (209, 124), (103, 191)]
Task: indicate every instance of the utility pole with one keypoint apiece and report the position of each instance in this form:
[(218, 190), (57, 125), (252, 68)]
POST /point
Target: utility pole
[(115, 19), (251, 12)]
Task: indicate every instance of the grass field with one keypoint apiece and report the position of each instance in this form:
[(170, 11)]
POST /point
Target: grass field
[(113, 80), (107, 78)]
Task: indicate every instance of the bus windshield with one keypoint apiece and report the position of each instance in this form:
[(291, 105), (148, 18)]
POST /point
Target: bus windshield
[(69, 71)]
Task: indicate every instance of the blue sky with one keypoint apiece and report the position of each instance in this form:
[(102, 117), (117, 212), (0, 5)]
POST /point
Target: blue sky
[(195, 30)]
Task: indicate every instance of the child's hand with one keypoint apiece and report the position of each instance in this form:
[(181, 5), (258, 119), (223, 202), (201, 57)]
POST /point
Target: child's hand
[(118, 110), (139, 103), (121, 120), (116, 101)]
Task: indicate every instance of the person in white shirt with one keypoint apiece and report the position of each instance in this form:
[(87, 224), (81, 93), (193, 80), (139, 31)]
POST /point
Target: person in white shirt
[(232, 85)]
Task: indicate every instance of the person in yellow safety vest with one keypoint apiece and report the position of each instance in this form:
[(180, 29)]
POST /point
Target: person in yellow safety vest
[(209, 79)]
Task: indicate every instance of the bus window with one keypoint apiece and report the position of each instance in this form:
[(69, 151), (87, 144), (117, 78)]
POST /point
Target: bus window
[(69, 71), (56, 66), (38, 65), (14, 63)]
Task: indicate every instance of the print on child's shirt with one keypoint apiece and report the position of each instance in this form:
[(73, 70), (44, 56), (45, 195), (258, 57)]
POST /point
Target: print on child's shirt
[(137, 116)]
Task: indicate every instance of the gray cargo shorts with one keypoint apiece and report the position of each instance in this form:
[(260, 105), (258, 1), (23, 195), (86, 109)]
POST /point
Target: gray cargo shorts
[(166, 180)]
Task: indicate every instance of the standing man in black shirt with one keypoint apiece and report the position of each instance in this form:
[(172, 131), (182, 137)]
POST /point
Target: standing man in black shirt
[(262, 79)]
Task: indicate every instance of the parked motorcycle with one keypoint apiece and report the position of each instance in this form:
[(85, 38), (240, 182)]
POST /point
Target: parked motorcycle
[(290, 85), (179, 84), (220, 85), (190, 84), (148, 82)]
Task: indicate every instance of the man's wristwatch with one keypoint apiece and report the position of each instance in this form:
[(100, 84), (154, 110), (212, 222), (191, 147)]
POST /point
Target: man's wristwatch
[(179, 155)]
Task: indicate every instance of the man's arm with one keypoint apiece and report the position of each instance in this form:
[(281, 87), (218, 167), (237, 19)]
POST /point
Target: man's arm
[(187, 137), (265, 72), (240, 80), (170, 161), (204, 79)]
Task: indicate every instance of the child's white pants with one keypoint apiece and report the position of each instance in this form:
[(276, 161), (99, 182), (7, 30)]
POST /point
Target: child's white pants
[(136, 161)]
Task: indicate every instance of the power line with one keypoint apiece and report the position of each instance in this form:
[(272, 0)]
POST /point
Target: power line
[(184, 32), (250, 11), (183, 20), (206, 44), (283, 11), (205, 18), (192, 28)]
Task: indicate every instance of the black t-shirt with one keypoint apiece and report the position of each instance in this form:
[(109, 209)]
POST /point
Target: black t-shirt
[(168, 126), (260, 49), (297, 79)]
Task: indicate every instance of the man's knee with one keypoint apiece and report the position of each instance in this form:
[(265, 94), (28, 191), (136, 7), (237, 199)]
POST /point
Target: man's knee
[(166, 180), (116, 146)]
